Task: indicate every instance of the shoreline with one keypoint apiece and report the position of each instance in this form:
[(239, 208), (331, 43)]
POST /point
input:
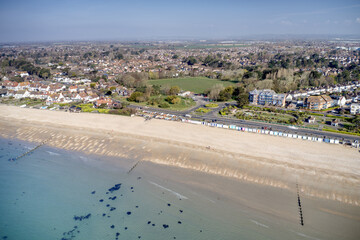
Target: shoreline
[(322, 170)]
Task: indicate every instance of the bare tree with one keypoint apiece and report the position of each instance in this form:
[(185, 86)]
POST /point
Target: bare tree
[(215, 91)]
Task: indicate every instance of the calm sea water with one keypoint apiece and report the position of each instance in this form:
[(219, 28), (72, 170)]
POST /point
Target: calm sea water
[(41, 193), (45, 194)]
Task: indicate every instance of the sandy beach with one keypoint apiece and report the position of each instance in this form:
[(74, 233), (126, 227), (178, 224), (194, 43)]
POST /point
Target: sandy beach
[(321, 170), (240, 172)]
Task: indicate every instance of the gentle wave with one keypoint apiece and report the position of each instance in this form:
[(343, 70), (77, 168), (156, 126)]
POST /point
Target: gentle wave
[(260, 224), (52, 153), (306, 236), (169, 190)]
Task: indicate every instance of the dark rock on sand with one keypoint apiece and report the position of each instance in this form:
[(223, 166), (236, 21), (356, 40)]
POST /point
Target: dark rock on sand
[(115, 188)]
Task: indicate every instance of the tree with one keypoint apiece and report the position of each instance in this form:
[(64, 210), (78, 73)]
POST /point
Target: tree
[(242, 99), (237, 91), (215, 91), (226, 94), (174, 90), (156, 90), (173, 99), (44, 73), (119, 56), (129, 80), (191, 60), (135, 97), (334, 64), (153, 75)]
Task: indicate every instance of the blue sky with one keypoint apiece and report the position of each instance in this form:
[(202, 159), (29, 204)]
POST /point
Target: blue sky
[(40, 20)]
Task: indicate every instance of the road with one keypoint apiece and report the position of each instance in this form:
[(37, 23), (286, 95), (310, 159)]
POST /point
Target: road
[(214, 117)]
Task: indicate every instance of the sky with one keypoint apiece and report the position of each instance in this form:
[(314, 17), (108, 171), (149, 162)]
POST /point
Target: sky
[(86, 20)]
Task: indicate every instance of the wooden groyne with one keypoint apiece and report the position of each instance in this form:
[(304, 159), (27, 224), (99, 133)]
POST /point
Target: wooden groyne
[(299, 204), (133, 167), (28, 152)]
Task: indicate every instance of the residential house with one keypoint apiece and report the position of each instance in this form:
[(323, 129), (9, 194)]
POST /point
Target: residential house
[(311, 119), (73, 89), (123, 91), (26, 94), (23, 74), (52, 98), (3, 92), (355, 108), (339, 100), (103, 101), (44, 88), (23, 85), (318, 102), (279, 100), (267, 97), (82, 96), (93, 97), (34, 87), (19, 94), (12, 85), (38, 95), (10, 93), (185, 94), (335, 122), (56, 88)]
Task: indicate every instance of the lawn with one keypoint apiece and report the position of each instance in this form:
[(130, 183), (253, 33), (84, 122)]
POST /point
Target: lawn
[(264, 116), (89, 108), (184, 104), (193, 84)]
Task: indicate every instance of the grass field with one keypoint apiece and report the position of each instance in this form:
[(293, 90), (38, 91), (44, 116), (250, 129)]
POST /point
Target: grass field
[(193, 84)]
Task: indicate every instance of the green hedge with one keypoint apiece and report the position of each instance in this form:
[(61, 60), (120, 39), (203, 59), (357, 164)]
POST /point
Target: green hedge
[(340, 117), (316, 114), (343, 132), (212, 105)]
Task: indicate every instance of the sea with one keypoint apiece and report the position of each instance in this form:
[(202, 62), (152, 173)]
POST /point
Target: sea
[(51, 193)]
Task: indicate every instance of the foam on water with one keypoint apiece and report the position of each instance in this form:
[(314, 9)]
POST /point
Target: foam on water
[(259, 224), (169, 190), (53, 153)]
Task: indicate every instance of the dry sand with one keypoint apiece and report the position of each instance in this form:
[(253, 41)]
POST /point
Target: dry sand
[(322, 170)]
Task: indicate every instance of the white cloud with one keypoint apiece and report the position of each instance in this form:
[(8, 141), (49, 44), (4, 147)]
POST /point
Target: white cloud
[(358, 20)]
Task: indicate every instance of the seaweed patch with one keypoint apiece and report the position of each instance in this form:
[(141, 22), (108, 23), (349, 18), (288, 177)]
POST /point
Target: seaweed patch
[(80, 218), (115, 188)]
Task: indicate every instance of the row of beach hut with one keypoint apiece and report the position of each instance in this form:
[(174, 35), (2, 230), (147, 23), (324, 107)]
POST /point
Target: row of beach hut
[(270, 132)]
